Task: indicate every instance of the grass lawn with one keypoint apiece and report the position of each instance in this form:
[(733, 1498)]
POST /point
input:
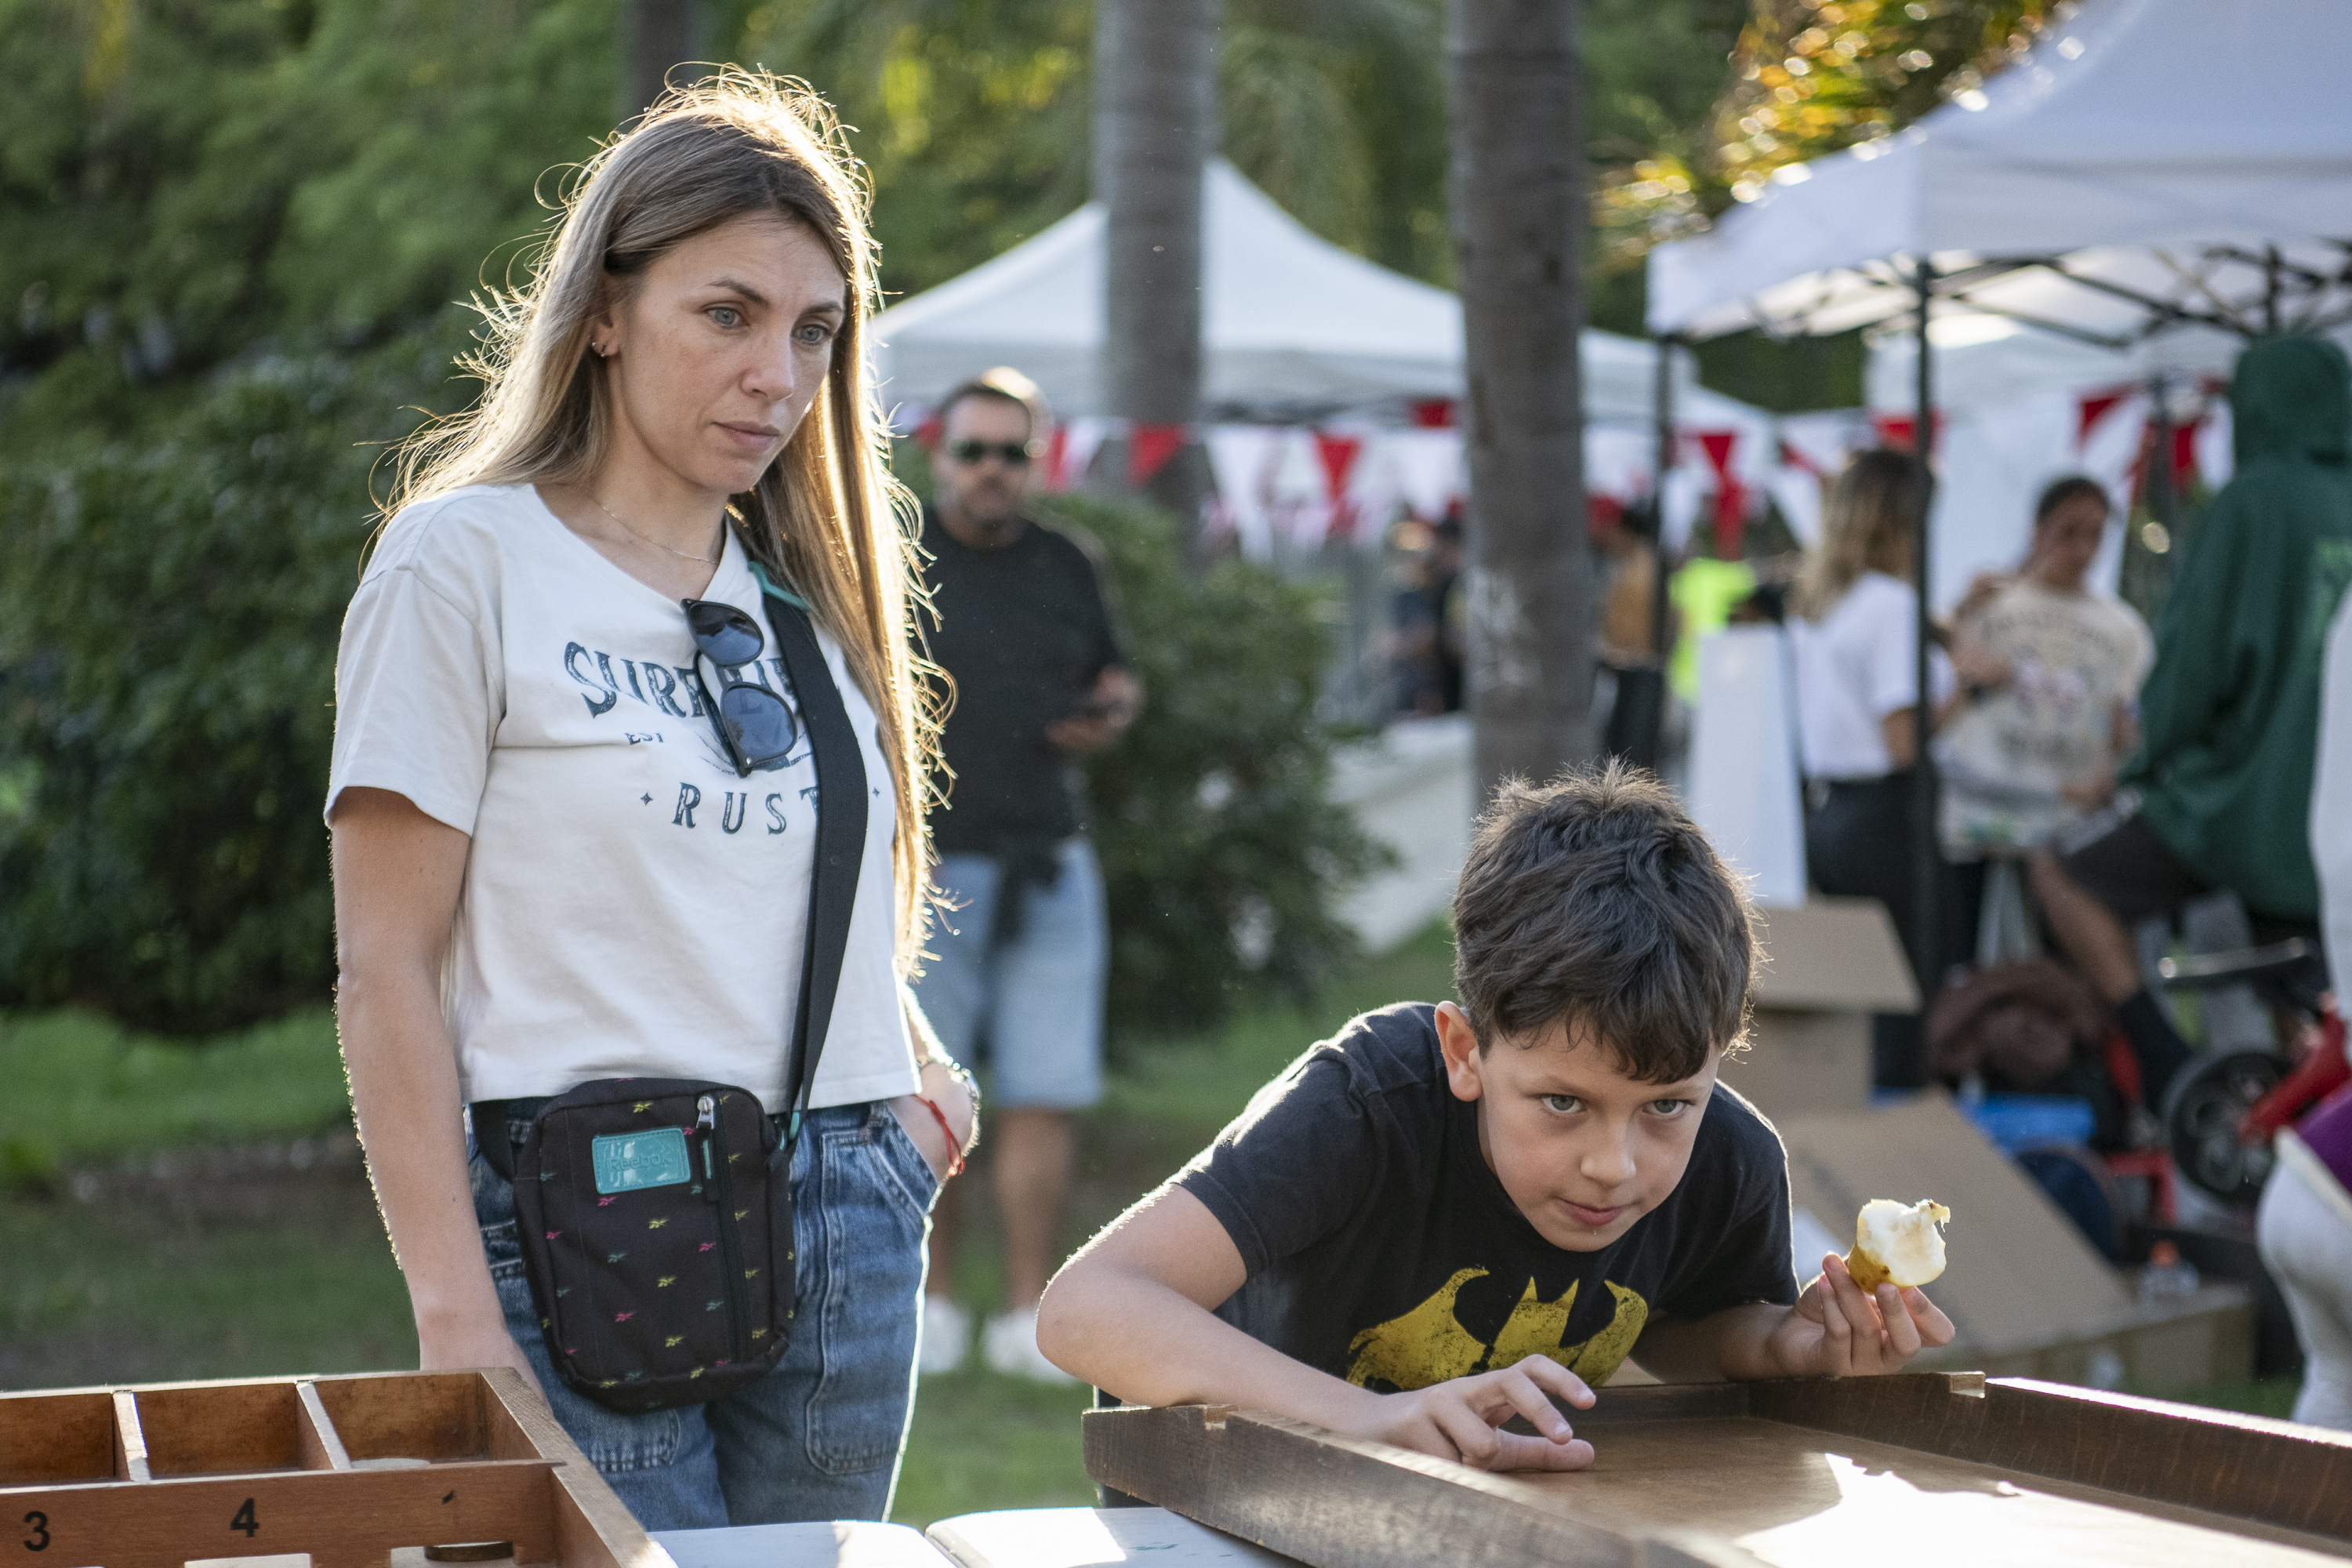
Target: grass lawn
[(179, 1275), (160, 1281), (82, 1090)]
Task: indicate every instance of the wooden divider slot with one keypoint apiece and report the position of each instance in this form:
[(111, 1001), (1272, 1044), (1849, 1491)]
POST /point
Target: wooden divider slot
[(435, 1417), (321, 1445), (130, 1438), (222, 1429), (47, 1439)]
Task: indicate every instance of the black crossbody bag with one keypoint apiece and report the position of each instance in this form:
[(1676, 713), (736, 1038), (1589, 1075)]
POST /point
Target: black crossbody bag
[(655, 1214)]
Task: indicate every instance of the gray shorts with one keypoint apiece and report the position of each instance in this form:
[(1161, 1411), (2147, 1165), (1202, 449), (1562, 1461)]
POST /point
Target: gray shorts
[(1030, 1009)]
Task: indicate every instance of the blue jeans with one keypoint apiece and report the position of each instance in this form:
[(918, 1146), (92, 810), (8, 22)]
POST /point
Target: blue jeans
[(1031, 1008), (820, 1436)]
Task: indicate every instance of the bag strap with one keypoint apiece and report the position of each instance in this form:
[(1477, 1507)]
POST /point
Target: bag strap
[(841, 816), (840, 856)]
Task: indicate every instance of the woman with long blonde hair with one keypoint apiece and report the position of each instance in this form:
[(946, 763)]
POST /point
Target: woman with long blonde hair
[(581, 715), (1853, 629)]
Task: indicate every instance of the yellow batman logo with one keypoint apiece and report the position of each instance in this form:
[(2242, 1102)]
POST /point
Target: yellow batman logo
[(665, 1279), (673, 1340), (656, 1224), (1428, 1345), (1425, 1346), (642, 1106)]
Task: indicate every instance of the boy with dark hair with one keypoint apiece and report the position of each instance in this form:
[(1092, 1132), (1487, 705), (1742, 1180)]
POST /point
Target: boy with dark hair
[(1447, 1216)]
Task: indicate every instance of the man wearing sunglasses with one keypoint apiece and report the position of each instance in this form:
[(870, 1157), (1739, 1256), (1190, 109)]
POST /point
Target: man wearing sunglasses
[(1025, 631)]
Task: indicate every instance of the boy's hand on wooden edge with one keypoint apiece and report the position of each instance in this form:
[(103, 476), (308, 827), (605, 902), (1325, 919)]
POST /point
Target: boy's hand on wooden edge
[(1462, 1419), (1839, 1330)]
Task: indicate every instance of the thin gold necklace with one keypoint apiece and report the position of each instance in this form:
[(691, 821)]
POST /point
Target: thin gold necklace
[(658, 544)]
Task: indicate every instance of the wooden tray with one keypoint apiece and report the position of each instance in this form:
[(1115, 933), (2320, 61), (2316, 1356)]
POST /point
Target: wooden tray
[(1916, 1472), (349, 1470)]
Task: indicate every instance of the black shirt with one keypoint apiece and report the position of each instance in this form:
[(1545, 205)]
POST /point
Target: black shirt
[(1025, 631), (1381, 1248)]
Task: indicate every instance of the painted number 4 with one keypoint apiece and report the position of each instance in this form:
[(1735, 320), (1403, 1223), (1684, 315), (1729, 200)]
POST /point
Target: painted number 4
[(40, 1539), (245, 1520)]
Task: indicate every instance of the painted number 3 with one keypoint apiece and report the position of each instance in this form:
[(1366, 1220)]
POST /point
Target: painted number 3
[(40, 1539)]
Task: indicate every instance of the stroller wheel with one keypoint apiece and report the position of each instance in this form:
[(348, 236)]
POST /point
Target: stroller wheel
[(2200, 1123)]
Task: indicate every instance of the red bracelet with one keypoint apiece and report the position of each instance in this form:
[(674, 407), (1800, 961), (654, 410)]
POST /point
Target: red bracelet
[(955, 1150)]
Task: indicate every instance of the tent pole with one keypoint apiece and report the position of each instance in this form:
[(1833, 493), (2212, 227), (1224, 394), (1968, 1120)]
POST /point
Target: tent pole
[(2156, 474), (1662, 636), (1927, 858), (1661, 408)]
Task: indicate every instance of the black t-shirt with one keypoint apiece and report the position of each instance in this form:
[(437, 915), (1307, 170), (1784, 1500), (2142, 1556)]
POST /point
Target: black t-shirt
[(1381, 1248), (1025, 631)]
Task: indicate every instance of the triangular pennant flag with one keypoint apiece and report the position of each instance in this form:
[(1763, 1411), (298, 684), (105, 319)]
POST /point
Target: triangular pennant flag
[(1338, 455), (1148, 449)]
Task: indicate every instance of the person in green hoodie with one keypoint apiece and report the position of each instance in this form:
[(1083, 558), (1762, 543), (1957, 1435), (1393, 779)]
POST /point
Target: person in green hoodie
[(2219, 795)]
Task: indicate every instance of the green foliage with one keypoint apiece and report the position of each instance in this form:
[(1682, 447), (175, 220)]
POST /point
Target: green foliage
[(1808, 77), (179, 182), (1816, 75), (168, 620), (1219, 850)]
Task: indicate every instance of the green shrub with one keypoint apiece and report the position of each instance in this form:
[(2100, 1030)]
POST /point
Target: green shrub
[(1220, 853), (168, 620)]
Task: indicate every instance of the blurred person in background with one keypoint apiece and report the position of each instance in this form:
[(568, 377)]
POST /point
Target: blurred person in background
[(1632, 686), (2304, 1222), (1853, 630), (2220, 789), (2052, 671), (1415, 616), (1023, 950), (1449, 599)]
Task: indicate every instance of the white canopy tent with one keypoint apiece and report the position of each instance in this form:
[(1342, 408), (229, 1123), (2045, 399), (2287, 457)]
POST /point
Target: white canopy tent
[(2152, 165), (1293, 327)]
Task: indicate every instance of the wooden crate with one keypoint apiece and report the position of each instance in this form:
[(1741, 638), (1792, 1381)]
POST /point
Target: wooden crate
[(1922, 1469), (349, 1471)]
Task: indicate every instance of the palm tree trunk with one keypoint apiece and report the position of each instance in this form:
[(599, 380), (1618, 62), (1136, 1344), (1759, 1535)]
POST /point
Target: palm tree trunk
[(1154, 127), (1517, 136), (656, 35)]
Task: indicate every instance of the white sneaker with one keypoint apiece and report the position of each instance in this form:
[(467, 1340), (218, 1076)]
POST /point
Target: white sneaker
[(1010, 1344), (947, 1336)]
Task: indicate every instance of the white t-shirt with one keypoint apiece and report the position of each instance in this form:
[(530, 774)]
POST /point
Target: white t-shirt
[(2074, 659), (631, 907), (1854, 667)]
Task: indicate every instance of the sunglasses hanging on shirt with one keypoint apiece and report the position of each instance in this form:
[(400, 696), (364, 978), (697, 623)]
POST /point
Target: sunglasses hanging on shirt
[(754, 724)]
